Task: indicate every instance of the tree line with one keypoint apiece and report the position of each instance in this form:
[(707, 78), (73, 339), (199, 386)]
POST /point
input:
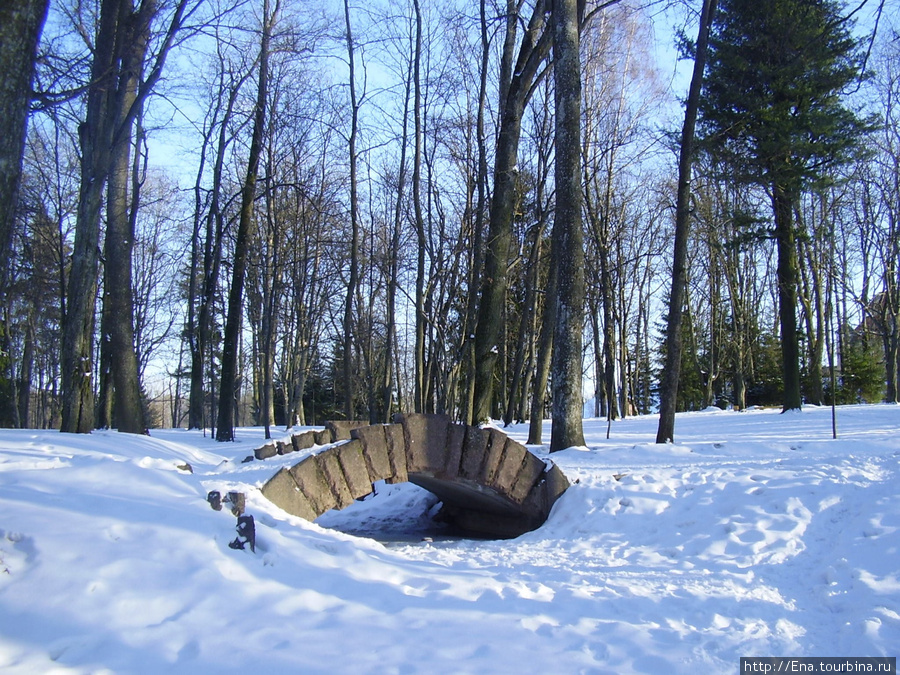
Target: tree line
[(278, 212)]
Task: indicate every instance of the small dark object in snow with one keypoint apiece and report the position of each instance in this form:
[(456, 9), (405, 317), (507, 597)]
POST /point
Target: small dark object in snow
[(248, 458), (238, 502), (185, 467), (215, 500), (373, 493), (619, 476), (246, 530)]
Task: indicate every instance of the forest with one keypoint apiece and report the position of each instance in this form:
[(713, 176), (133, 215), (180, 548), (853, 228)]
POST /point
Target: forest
[(222, 213)]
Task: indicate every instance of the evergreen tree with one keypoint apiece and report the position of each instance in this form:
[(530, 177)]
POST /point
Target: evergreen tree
[(773, 112), (861, 377)]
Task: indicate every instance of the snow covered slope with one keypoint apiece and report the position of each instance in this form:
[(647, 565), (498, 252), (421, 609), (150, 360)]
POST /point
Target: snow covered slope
[(755, 535)]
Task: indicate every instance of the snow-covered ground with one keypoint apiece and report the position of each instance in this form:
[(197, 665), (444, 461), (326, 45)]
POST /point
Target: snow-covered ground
[(755, 535)]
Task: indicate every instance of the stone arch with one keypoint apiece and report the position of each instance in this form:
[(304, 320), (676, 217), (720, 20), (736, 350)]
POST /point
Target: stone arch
[(489, 484)]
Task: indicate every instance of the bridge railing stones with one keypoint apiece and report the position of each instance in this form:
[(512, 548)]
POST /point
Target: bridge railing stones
[(333, 432), (489, 483)]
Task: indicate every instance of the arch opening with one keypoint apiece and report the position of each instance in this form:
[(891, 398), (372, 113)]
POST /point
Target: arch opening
[(399, 514)]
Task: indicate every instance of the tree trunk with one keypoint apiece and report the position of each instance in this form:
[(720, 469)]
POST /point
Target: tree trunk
[(599, 378), (387, 396), (712, 374), (892, 365), (672, 370), (270, 271), (890, 304), (534, 49), (129, 416), (468, 403), (545, 351), (814, 313), (104, 404), (21, 22), (738, 343), (419, 392), (200, 335), (489, 327), (25, 374), (525, 336), (230, 343), (568, 248), (192, 330), (119, 245), (349, 410), (609, 324), (107, 119), (782, 204), (96, 135)]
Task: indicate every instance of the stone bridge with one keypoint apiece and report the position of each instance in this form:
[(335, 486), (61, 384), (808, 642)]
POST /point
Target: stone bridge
[(489, 484)]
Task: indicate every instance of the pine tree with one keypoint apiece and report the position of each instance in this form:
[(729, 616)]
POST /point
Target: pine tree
[(773, 112)]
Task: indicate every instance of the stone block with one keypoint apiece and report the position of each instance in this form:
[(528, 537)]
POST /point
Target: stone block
[(283, 491), (312, 483), (555, 483), (396, 444), (303, 441), (473, 449), (530, 473), (375, 451), (545, 493), (284, 448), (266, 451), (340, 429), (456, 438), (493, 454), (334, 476), (535, 502), (426, 442), (353, 464), (510, 464)]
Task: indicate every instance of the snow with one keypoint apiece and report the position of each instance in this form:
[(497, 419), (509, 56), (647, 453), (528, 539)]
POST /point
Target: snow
[(756, 534)]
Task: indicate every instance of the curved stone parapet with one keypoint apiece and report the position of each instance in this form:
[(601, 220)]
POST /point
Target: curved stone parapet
[(489, 484)]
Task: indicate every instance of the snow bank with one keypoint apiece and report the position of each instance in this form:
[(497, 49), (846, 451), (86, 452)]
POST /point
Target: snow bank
[(756, 534)]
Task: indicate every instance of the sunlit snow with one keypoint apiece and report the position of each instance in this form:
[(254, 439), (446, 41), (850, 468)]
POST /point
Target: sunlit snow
[(756, 534)]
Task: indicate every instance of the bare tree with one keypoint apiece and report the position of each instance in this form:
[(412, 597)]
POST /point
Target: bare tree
[(477, 258), (120, 233), (517, 80), (230, 339), (568, 251), (349, 408), (209, 224), (669, 388), (20, 29), (111, 111)]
